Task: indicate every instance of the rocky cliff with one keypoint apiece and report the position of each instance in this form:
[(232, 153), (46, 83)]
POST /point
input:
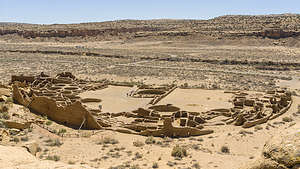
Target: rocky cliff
[(265, 26)]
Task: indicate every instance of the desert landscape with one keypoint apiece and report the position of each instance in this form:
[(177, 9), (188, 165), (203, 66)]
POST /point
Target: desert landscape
[(187, 94)]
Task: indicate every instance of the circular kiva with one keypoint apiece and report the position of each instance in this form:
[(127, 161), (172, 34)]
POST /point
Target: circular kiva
[(164, 108), (151, 91)]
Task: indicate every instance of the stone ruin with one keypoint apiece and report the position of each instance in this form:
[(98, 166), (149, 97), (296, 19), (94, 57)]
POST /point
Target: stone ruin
[(250, 110), (155, 92), (57, 98)]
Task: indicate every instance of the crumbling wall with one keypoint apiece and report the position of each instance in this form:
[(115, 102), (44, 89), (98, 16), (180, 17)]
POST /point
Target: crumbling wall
[(169, 131), (73, 115)]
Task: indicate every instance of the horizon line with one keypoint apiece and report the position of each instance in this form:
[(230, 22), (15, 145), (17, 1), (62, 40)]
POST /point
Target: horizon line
[(132, 19)]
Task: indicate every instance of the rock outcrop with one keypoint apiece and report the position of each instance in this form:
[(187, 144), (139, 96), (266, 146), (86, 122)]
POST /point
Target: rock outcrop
[(280, 152), (19, 158)]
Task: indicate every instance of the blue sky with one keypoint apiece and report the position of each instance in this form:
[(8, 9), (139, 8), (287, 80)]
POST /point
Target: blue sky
[(75, 11)]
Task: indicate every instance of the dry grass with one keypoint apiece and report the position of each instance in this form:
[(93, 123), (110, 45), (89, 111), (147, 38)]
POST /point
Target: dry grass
[(150, 140), (287, 119), (53, 158), (179, 151), (107, 140), (138, 143), (225, 149), (53, 143)]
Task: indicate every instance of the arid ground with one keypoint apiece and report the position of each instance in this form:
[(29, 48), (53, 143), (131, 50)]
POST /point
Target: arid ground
[(204, 60)]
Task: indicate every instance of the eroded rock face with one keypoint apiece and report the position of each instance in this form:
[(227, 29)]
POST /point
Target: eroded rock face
[(278, 33), (280, 152), (284, 149), (19, 158), (17, 125)]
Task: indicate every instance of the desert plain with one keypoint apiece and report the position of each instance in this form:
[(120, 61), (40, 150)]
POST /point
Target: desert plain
[(151, 94)]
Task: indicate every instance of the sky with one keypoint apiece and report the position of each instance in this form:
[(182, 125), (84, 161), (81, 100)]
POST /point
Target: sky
[(78, 11)]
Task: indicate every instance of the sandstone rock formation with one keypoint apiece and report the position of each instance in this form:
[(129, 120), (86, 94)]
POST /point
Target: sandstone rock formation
[(280, 152), (19, 158), (232, 26), (16, 125)]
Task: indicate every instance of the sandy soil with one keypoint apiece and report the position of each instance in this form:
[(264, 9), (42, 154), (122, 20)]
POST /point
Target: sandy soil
[(83, 148), (115, 99), (198, 100)]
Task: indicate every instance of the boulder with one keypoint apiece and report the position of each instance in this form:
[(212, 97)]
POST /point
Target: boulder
[(32, 147), (17, 125), (19, 158), (4, 92), (284, 149), (280, 152)]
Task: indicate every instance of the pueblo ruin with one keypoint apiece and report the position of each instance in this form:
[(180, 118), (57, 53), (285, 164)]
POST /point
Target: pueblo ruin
[(58, 98), (134, 94)]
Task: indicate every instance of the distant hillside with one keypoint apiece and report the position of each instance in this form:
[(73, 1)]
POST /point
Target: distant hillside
[(232, 26)]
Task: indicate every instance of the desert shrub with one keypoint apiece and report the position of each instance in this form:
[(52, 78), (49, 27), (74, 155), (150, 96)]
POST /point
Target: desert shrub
[(48, 123), (195, 147), (53, 143), (24, 138), (196, 165), (138, 155), (287, 119), (53, 158), (56, 158), (39, 149), (108, 140), (48, 141), (5, 116), (135, 167), (155, 165), (138, 143), (200, 139), (159, 143), (71, 162), (16, 139), (1, 123), (258, 128), (179, 151), (62, 131), (150, 140), (9, 100), (3, 108), (225, 149), (167, 140)]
